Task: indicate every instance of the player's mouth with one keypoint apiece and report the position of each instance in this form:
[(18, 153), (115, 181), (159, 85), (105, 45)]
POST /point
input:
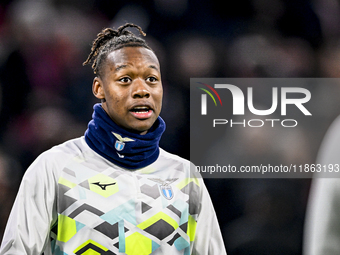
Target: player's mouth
[(141, 112)]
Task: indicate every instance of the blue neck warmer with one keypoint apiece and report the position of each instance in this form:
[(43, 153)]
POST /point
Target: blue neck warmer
[(121, 147)]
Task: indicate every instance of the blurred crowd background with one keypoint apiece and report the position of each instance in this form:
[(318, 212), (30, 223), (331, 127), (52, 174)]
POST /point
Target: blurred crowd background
[(46, 96)]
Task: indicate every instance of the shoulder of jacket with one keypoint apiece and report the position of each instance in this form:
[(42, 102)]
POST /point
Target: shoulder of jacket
[(69, 148), (60, 154), (175, 157), (187, 165)]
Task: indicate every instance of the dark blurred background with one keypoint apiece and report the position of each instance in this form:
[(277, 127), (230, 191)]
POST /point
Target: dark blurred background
[(46, 96)]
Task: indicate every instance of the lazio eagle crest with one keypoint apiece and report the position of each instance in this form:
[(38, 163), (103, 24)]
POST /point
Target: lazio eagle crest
[(120, 142), (166, 189)]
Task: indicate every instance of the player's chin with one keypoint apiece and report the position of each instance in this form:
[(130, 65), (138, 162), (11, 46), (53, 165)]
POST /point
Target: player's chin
[(142, 126)]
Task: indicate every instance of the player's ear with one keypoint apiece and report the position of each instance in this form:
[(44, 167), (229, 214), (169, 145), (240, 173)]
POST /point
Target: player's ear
[(97, 88)]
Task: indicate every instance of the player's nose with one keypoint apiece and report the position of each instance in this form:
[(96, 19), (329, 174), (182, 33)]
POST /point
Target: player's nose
[(140, 89)]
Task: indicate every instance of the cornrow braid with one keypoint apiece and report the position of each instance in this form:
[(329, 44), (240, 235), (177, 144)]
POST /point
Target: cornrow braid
[(109, 40)]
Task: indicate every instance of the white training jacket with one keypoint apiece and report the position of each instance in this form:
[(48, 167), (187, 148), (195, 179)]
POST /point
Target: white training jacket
[(74, 201)]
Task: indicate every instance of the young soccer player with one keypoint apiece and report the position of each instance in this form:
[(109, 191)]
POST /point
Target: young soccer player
[(114, 191)]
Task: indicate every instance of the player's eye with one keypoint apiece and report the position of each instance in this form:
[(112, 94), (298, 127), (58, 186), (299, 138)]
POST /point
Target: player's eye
[(125, 79), (151, 79)]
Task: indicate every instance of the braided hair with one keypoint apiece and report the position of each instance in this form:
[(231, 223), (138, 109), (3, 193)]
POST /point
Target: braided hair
[(109, 40)]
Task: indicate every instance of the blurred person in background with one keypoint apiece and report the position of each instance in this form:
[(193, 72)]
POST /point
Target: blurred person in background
[(10, 173), (322, 222), (114, 191)]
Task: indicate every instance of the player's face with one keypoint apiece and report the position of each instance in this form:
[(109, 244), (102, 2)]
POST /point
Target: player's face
[(132, 88)]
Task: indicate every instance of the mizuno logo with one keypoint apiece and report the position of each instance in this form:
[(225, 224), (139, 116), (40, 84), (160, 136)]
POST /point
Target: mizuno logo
[(103, 186)]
